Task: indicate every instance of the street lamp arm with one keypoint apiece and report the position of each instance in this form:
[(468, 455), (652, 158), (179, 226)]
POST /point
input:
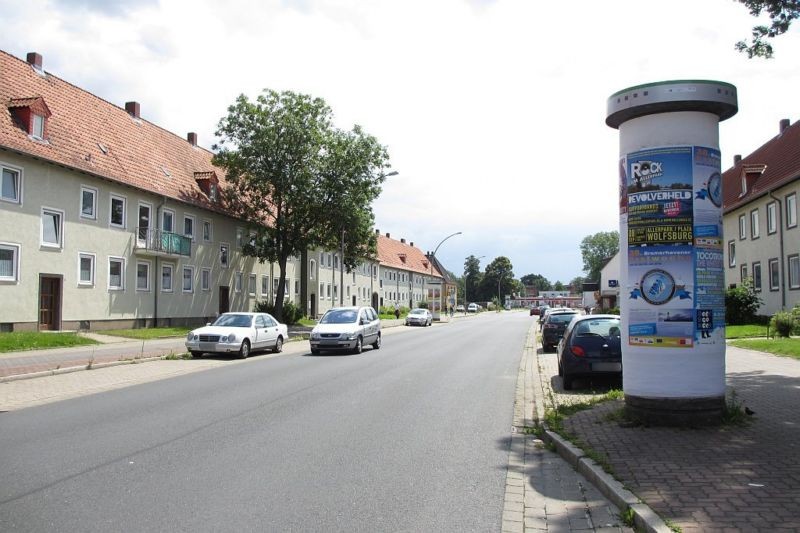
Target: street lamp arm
[(438, 245)]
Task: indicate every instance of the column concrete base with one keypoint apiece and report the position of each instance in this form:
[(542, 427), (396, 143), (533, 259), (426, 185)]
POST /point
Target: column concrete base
[(691, 412)]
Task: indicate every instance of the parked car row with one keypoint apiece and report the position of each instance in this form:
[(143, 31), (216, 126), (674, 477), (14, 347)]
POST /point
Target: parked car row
[(590, 347)]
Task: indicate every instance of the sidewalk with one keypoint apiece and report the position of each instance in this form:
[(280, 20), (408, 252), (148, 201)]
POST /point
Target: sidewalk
[(729, 478)]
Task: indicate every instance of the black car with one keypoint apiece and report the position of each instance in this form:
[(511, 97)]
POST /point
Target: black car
[(554, 326), (590, 347)]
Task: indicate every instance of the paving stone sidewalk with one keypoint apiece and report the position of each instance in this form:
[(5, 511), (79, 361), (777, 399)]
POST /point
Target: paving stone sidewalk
[(730, 478)]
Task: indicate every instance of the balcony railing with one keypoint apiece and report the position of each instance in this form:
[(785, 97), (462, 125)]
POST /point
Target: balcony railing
[(158, 242)]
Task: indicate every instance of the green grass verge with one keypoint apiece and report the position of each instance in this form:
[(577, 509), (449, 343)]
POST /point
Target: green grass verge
[(745, 331), (34, 340), (307, 322), (777, 346), (147, 333)]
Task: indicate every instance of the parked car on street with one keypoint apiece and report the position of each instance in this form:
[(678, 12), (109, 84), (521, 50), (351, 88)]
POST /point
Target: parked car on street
[(554, 325), (346, 328), (590, 347), (534, 311), (239, 333), (460, 308), (472, 308), (419, 317)]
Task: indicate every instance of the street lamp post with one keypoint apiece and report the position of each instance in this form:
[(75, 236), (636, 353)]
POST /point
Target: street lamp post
[(433, 255)]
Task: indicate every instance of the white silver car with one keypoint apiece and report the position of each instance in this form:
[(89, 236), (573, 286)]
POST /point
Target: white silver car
[(419, 317), (238, 333), (346, 328)]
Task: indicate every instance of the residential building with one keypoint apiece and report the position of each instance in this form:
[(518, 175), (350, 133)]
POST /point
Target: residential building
[(326, 275), (109, 220), (608, 290), (760, 220), (408, 276)]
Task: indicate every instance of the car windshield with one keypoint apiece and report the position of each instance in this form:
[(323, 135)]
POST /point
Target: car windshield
[(234, 321), (605, 327), (561, 318), (417, 312), (341, 316)]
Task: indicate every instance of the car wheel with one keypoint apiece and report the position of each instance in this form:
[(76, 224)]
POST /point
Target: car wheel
[(430, 323), (244, 351), (315, 351), (196, 355), (278, 345), (359, 345), (377, 343), (567, 383)]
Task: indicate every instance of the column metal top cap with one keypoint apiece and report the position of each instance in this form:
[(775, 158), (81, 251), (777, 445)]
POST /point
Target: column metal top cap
[(668, 96)]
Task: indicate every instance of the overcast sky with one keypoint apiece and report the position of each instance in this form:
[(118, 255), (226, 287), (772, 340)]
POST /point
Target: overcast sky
[(492, 110)]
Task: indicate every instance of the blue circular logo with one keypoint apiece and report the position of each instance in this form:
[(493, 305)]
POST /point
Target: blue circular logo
[(657, 286), (715, 189)]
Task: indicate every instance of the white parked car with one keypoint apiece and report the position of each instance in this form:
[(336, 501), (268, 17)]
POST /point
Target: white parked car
[(238, 333), (419, 317), (346, 328), (472, 308)]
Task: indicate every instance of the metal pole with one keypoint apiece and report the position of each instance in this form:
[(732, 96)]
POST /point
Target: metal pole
[(341, 274)]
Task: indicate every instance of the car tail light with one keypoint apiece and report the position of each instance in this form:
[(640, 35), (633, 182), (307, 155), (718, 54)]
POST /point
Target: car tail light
[(577, 351)]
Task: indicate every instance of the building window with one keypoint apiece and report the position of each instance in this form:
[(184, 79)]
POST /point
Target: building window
[(239, 238), (143, 276), (312, 269), (188, 279), (791, 210), (296, 287), (223, 255), (335, 261), (52, 228), (89, 202), (731, 254), (757, 276), (166, 278), (335, 292), (754, 229), (275, 285), (207, 235), (742, 226), (321, 290), (264, 286), (774, 276), (743, 272), (116, 216), (328, 291), (86, 269), (251, 286), (11, 185), (38, 127), (794, 271), (9, 261), (237, 282), (116, 273), (188, 226), (205, 279), (168, 221), (772, 218), (330, 260)]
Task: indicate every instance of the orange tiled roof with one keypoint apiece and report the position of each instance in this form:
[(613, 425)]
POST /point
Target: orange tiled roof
[(775, 163), (395, 254), (136, 151)]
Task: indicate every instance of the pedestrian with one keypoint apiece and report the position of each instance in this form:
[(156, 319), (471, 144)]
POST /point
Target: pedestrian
[(397, 311)]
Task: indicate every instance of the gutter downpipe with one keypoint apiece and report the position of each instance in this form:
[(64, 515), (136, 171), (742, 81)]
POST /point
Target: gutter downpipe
[(780, 238), (155, 274)]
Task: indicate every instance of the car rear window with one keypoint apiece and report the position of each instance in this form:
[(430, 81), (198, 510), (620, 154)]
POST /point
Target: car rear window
[(605, 327), (561, 318)]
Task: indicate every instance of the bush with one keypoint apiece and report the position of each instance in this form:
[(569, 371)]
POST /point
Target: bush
[(291, 312), (783, 323), (422, 305), (741, 304)]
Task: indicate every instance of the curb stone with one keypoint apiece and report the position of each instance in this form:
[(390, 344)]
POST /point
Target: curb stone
[(78, 368)]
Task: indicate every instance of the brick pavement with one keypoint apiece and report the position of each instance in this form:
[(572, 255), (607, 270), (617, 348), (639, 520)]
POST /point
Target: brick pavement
[(729, 478)]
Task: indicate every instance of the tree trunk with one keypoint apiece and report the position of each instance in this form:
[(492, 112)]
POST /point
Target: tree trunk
[(281, 288)]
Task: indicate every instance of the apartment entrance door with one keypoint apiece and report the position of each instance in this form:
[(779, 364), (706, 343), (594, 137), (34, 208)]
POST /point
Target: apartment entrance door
[(49, 303), (224, 302)]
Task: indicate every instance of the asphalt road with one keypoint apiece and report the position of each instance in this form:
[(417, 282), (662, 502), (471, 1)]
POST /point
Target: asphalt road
[(412, 437)]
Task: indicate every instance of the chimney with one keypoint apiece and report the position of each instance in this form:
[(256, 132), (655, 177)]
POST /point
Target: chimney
[(411, 244), (192, 138), (402, 240), (377, 232), (132, 108), (783, 125), (737, 159), (35, 60), (388, 235)]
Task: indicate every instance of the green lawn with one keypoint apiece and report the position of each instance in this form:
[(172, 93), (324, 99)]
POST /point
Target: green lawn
[(147, 333), (307, 322), (746, 331), (34, 340), (778, 346)]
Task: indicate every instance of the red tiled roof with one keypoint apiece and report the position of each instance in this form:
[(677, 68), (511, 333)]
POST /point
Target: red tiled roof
[(390, 252), (137, 150), (780, 160)]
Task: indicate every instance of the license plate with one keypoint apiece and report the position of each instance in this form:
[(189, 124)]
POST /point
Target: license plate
[(607, 367), (208, 346)]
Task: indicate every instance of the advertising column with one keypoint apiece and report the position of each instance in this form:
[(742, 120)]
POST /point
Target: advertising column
[(672, 301)]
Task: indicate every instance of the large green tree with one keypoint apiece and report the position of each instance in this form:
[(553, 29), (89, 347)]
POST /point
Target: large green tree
[(536, 280), (781, 14), (596, 250), (501, 271), (472, 278), (297, 181)]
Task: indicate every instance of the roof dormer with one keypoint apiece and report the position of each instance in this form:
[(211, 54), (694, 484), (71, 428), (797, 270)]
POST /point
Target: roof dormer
[(31, 115), (750, 173), (208, 183)]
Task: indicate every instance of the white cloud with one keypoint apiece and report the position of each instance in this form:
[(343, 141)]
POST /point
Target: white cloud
[(493, 111)]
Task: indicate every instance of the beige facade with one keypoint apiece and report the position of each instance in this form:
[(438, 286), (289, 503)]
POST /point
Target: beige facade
[(325, 278)]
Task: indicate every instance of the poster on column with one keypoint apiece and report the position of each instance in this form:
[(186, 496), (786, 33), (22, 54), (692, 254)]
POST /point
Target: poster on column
[(673, 230)]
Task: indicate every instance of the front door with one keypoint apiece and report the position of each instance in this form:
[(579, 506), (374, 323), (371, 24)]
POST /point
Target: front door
[(224, 302), (49, 303), (313, 306)]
